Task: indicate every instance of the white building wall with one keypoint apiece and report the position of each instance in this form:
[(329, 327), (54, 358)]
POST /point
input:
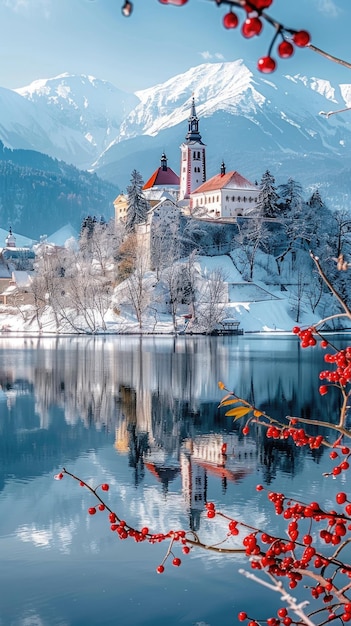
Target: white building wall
[(227, 203), (192, 168)]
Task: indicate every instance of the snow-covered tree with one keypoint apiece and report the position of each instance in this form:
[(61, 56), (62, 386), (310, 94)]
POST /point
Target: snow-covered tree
[(268, 199), (137, 204), (252, 236), (136, 290), (212, 301)]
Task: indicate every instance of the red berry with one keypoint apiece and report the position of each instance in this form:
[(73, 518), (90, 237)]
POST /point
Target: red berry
[(341, 497), (145, 530), (285, 50), (230, 20), (92, 510), (323, 389), (259, 5), (251, 27), (266, 65), (105, 487), (282, 612), (242, 616), (176, 561), (301, 38), (82, 484), (101, 507), (259, 487), (246, 430), (211, 513), (296, 330), (185, 549), (160, 569)]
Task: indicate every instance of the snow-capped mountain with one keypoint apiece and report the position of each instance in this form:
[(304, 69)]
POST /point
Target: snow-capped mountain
[(251, 121), (85, 106)]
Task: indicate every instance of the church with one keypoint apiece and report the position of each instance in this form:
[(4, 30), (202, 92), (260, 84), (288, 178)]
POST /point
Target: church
[(222, 198)]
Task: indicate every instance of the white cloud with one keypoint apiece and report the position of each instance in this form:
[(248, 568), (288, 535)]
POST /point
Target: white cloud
[(328, 7), (207, 56), (20, 6)]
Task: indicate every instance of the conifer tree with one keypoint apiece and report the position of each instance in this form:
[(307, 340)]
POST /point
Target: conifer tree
[(137, 203), (268, 199)]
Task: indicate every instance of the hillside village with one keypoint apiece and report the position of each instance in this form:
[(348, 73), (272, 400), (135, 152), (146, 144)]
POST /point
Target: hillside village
[(184, 254)]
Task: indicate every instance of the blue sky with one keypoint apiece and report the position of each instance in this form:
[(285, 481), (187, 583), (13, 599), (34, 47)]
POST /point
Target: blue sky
[(44, 38)]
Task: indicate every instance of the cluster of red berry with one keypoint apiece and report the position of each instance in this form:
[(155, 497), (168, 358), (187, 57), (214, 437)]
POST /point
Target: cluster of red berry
[(124, 531), (253, 25), (280, 556), (341, 359)]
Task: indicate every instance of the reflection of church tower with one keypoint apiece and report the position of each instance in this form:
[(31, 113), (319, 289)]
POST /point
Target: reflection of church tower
[(10, 240), (194, 485), (193, 157)]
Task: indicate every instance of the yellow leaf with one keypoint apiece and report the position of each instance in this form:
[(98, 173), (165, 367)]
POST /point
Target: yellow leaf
[(221, 385), (240, 411), (258, 413), (225, 402)]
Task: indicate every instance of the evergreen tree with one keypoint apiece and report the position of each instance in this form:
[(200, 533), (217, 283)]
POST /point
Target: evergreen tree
[(319, 228), (291, 196), (137, 204), (268, 199)]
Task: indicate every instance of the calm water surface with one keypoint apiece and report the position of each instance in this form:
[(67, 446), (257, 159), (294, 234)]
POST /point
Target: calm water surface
[(142, 415)]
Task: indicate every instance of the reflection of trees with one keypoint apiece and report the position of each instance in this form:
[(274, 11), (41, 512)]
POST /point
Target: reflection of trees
[(156, 393)]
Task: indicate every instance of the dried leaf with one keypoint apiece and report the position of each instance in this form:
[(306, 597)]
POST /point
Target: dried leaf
[(258, 413), (221, 385)]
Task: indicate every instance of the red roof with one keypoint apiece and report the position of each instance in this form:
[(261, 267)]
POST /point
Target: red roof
[(222, 472), (162, 177), (231, 180)]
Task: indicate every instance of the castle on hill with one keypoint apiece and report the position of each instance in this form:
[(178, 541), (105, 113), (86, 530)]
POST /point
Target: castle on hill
[(222, 198)]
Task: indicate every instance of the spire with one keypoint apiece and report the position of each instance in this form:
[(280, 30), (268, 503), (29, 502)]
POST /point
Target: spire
[(193, 134), (163, 162), (10, 240)]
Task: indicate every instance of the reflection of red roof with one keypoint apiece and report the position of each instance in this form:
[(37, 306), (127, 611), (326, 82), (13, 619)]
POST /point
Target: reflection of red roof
[(222, 472), (164, 474), (162, 177), (231, 180)]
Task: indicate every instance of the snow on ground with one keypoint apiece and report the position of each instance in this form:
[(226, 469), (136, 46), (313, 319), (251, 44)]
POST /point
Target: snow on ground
[(252, 309)]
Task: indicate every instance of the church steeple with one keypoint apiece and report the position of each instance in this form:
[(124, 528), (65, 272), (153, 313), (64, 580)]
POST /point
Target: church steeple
[(163, 162), (193, 158), (10, 240), (193, 133)]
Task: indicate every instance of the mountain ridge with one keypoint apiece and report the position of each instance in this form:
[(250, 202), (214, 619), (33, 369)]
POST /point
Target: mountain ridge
[(247, 120)]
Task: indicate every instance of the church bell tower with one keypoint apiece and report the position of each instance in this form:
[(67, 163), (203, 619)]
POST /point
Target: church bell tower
[(193, 158)]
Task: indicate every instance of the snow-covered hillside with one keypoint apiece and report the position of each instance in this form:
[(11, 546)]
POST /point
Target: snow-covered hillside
[(272, 313)]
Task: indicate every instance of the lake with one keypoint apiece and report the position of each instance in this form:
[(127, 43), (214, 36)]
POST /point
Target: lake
[(141, 414)]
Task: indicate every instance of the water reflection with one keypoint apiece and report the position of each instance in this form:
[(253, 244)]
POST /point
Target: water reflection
[(141, 414)]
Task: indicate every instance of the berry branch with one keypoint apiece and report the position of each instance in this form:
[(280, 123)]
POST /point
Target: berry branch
[(315, 547), (255, 14)]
